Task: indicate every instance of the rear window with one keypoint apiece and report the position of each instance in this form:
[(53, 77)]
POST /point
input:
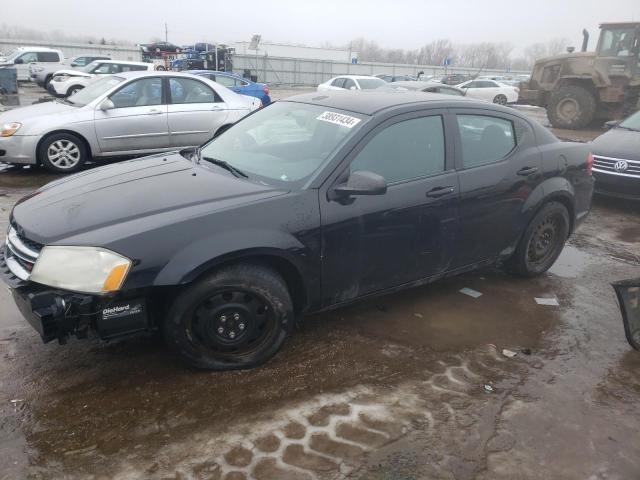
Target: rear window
[(48, 57), (485, 139), (370, 83)]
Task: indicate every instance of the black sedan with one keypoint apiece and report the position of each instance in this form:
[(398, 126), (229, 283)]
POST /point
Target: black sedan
[(616, 159), (308, 204)]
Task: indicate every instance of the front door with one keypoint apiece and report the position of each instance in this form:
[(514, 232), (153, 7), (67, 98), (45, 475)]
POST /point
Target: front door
[(138, 120), (196, 111), (499, 168), (371, 243)]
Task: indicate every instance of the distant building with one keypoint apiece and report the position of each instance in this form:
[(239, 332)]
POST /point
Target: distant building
[(295, 51)]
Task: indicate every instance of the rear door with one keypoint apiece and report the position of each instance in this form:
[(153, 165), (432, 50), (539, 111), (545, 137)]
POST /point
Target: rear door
[(138, 121), (376, 242), (499, 167), (195, 110)]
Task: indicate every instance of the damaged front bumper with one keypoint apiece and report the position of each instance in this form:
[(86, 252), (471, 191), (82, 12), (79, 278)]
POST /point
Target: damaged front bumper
[(58, 314)]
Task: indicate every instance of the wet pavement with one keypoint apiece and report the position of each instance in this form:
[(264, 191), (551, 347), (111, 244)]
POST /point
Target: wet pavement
[(407, 386)]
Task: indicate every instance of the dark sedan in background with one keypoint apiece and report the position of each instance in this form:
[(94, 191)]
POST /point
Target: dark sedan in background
[(308, 204), (616, 159)]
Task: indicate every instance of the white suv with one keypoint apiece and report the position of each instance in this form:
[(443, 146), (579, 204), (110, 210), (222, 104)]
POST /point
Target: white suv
[(67, 82), (21, 57)]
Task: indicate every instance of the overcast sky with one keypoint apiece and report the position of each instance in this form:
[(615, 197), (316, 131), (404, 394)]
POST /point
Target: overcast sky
[(392, 23)]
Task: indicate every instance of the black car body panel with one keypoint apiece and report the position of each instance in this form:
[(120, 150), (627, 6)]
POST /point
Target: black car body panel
[(177, 219), (616, 163)]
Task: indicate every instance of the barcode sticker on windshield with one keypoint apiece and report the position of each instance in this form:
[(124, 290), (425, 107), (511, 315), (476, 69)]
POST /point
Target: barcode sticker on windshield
[(339, 119)]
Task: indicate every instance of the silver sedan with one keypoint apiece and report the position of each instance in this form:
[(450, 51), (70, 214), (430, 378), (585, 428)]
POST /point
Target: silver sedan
[(127, 114)]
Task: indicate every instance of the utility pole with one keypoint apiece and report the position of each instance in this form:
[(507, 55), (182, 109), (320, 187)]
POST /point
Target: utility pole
[(166, 33)]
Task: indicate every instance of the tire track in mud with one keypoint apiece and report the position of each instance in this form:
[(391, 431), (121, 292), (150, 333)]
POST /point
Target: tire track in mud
[(327, 437)]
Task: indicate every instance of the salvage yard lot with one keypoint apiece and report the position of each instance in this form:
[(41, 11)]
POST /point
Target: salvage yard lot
[(406, 383)]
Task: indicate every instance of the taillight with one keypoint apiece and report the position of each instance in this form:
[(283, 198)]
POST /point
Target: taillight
[(590, 163), (265, 89)]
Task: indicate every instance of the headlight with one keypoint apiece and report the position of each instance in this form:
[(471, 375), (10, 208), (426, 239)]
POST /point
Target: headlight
[(61, 78), (81, 269), (9, 129)]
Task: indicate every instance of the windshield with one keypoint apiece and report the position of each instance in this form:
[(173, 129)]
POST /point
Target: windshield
[(617, 42), (632, 122), (284, 143), (12, 54), (369, 83), (94, 89)]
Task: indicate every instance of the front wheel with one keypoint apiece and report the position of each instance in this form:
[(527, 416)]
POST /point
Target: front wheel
[(62, 153), (542, 242), (236, 318)]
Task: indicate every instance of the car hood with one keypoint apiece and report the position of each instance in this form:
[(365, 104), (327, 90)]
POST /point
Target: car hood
[(618, 143), (105, 204), (22, 114), (73, 73)]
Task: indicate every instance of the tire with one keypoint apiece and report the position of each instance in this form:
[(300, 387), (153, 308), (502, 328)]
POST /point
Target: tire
[(236, 318), (74, 89), (542, 241), (63, 153), (160, 68), (571, 107), (46, 82), (500, 99)]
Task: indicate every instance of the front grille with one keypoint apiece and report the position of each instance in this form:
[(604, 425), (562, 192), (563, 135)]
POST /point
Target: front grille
[(625, 168), (20, 253)]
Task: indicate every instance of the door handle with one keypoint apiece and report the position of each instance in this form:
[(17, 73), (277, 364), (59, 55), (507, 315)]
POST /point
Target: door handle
[(438, 192), (155, 111), (526, 171)]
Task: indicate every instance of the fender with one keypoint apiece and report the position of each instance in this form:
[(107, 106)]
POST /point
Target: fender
[(554, 188)]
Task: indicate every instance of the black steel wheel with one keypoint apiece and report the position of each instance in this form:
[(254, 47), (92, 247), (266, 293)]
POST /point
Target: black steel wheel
[(236, 318), (542, 242)]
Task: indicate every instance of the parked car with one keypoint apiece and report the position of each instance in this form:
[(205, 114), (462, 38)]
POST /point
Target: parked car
[(454, 79), (616, 159), (131, 113), (22, 57), (182, 64), (42, 73), (68, 82), (238, 84), (430, 87), (490, 91), (394, 78), (311, 203), (351, 82), (160, 47)]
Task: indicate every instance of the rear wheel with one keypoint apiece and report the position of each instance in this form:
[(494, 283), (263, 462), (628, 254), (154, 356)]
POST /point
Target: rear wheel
[(62, 153), (571, 107), (236, 318), (500, 99), (542, 242)]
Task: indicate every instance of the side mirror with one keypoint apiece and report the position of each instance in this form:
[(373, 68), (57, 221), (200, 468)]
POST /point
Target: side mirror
[(360, 182), (107, 104), (612, 123), (628, 293)]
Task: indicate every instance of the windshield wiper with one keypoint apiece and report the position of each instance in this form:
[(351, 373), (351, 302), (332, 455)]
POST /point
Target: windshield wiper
[(226, 165)]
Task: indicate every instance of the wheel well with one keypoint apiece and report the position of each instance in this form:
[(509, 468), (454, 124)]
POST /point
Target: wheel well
[(70, 132), (287, 270)]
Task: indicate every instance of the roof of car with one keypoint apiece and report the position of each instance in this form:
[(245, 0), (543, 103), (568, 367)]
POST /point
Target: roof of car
[(217, 72), (153, 73), (371, 101), (357, 77)]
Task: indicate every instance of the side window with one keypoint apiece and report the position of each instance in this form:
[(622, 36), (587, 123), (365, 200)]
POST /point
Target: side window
[(485, 139), (48, 57), (338, 82), (105, 68), (29, 57), (474, 84), (450, 91), (186, 90), (225, 81), (140, 93), (131, 68), (348, 83), (80, 61), (405, 150)]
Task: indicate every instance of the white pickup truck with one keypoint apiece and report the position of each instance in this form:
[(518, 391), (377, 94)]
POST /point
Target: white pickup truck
[(22, 57)]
